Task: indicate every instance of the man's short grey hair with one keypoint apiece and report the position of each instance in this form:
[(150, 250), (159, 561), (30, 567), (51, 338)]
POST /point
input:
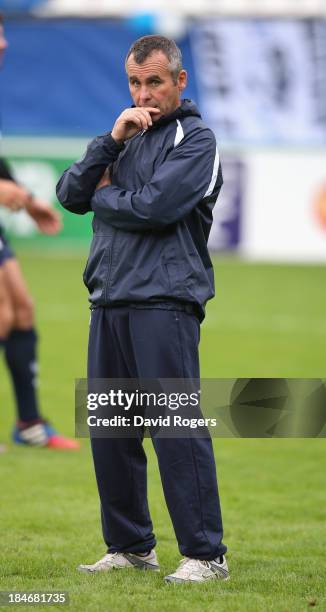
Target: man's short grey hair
[(142, 48)]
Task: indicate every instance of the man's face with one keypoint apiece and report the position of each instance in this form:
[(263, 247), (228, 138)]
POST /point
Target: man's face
[(3, 43), (151, 83)]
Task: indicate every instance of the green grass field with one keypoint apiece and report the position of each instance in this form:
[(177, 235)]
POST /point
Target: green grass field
[(266, 320)]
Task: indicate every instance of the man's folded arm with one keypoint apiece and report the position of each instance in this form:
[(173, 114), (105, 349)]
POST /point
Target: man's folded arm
[(189, 173), (77, 184)]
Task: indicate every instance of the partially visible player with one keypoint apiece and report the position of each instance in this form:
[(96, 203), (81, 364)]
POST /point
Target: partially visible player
[(18, 337)]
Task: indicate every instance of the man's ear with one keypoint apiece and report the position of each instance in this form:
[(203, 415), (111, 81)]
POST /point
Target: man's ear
[(182, 80)]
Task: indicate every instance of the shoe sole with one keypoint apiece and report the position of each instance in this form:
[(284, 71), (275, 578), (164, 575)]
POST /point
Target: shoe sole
[(170, 580), (150, 568)]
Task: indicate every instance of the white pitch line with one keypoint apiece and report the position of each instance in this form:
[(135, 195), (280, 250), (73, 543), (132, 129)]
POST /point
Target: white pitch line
[(52, 147)]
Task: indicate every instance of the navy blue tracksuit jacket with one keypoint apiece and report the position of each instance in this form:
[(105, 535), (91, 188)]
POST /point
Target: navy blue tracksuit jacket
[(152, 224), (149, 276)]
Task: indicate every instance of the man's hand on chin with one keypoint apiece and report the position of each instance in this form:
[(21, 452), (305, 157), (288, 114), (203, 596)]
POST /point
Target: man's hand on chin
[(133, 120)]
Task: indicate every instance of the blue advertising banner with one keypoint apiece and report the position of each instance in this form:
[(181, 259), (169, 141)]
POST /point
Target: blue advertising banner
[(66, 77), (20, 5)]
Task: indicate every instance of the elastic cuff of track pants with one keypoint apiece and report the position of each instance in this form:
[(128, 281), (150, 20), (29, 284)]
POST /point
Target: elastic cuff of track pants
[(136, 550)]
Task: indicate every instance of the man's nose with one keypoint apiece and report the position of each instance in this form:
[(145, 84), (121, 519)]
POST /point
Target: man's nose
[(144, 95)]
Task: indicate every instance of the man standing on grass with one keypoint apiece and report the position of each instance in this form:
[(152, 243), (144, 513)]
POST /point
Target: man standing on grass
[(152, 183)]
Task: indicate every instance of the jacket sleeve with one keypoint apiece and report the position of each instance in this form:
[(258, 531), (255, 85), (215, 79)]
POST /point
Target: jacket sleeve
[(188, 174), (77, 184)]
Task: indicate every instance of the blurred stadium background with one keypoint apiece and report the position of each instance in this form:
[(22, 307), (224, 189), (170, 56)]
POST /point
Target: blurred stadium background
[(258, 73)]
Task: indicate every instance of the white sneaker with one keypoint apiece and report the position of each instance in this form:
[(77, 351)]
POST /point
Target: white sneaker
[(196, 570), (119, 560)]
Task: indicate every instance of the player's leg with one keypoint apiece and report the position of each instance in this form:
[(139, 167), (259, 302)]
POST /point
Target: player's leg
[(120, 463), (20, 346), (6, 319), (165, 344), (6, 313), (21, 357)]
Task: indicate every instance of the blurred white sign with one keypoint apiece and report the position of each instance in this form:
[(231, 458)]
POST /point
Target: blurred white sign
[(284, 215), (262, 80)]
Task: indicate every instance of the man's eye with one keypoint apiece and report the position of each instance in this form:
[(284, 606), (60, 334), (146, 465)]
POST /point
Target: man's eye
[(155, 82)]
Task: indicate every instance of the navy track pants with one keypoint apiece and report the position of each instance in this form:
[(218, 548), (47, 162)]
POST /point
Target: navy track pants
[(130, 342)]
